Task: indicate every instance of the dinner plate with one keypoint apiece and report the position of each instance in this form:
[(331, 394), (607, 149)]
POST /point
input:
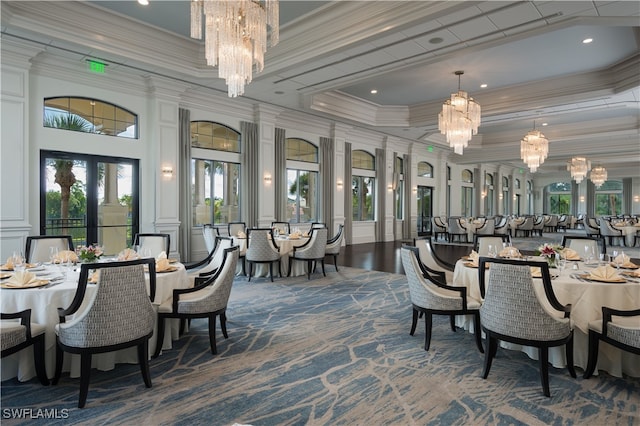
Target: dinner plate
[(625, 266), (4, 275), (169, 269), (600, 280), (473, 265), (38, 283)]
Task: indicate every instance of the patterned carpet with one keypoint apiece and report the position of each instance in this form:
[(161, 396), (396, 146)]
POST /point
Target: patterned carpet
[(331, 351)]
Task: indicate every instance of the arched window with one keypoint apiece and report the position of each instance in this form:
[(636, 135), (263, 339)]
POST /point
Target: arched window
[(559, 197), (363, 185), (425, 169), (303, 181), (516, 184), (609, 198), (215, 173), (466, 176), (90, 116)]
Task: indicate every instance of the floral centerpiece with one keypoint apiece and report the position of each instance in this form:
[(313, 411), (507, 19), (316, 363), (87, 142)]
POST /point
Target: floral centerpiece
[(90, 253), (550, 252)]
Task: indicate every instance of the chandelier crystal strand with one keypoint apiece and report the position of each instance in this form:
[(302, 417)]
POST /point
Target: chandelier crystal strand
[(598, 176), (579, 167), (534, 149), (459, 119), (236, 36)]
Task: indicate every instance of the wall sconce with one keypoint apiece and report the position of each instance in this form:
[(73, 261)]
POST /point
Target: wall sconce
[(415, 189), (390, 187), (582, 198), (339, 184), (500, 196), (167, 171), (515, 197), (636, 198), (483, 194), (267, 179)]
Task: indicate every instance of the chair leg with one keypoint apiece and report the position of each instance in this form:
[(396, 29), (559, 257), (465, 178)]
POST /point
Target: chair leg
[(280, 267), (59, 359), (477, 331), (594, 342), (428, 326), (452, 322), (223, 324), (543, 354), (309, 265), (85, 376), (335, 261), (414, 322), (159, 337), (569, 355), (291, 259), (250, 270), (322, 262), (38, 358), (143, 359), (489, 353), (271, 271), (212, 334)]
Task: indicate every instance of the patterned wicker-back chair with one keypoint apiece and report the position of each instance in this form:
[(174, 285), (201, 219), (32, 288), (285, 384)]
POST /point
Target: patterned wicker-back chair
[(618, 328), (429, 297), (119, 315), (311, 251), (334, 244), (512, 312), (153, 243), (15, 336), (38, 247), (207, 299), (262, 248)]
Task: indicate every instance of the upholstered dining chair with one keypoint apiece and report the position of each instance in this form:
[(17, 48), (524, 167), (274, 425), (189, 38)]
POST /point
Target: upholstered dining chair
[(429, 297), (612, 234), (262, 248), (439, 228), (311, 251), (236, 228), (481, 243), (282, 226), (16, 336), (38, 247), (429, 257), (538, 226), (551, 223), (487, 227), (119, 315), (209, 233), (212, 262), (207, 299), (591, 226), (456, 229), (620, 328), (152, 243), (512, 312), (502, 227), (525, 227), (578, 243), (334, 244), (564, 221)]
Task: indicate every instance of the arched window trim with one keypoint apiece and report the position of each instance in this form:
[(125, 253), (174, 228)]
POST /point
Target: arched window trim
[(428, 169), (368, 154), (215, 123), (306, 143), (466, 179)]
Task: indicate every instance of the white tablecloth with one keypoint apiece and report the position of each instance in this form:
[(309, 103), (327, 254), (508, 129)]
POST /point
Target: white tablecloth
[(587, 300), (44, 303), (629, 232)]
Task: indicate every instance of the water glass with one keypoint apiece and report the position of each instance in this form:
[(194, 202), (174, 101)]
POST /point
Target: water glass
[(18, 261), (53, 254)]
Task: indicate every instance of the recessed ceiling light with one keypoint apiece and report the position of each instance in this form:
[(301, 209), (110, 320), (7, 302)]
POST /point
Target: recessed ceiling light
[(587, 40), (143, 2), (483, 85), (374, 91), (545, 124), (279, 92), (436, 40)]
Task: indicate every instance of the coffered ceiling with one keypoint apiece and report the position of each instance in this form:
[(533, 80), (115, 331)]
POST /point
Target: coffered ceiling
[(331, 55)]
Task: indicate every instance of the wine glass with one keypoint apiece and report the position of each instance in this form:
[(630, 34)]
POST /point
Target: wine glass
[(561, 263), (53, 254), (18, 261), (588, 254), (491, 251), (615, 256)]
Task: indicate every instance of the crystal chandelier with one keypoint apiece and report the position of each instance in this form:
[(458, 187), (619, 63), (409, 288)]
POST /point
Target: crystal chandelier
[(534, 149), (459, 119), (598, 176), (236, 36), (579, 167)]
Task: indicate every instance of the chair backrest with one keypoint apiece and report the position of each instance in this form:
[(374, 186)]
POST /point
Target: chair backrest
[(334, 243), (595, 244), (426, 254), (553, 221), (261, 245), (318, 225), (282, 226), (222, 243), (422, 291), (455, 227), (215, 295), (538, 223), (315, 248), (488, 228), (235, 227), (119, 312), (438, 225), (210, 232), (38, 247), (481, 243), (607, 230), (152, 243), (527, 225), (511, 306)]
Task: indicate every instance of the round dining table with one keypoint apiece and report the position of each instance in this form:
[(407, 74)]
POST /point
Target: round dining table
[(44, 303), (586, 298)]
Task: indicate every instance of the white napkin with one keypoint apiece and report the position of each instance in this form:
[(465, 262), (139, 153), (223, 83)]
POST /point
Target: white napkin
[(241, 234), (128, 254), (570, 254), (474, 257), (605, 273), (65, 256), (22, 279), (624, 261), (509, 252), (162, 263)]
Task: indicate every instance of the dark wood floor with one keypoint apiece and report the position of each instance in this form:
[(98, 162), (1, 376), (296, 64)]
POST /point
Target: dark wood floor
[(385, 257)]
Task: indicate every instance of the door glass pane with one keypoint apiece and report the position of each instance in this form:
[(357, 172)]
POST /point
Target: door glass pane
[(66, 199), (215, 188), (424, 209), (115, 195)]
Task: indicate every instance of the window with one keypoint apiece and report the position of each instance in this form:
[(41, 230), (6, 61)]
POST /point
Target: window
[(215, 173), (609, 199), (466, 176), (89, 116), (530, 196), (425, 169), (209, 135), (559, 197), (363, 185), (505, 195), (517, 184), (398, 186), (303, 181), (92, 198), (466, 207), (488, 200)]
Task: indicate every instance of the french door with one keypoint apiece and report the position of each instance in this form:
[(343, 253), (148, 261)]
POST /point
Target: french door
[(92, 198), (425, 209)]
